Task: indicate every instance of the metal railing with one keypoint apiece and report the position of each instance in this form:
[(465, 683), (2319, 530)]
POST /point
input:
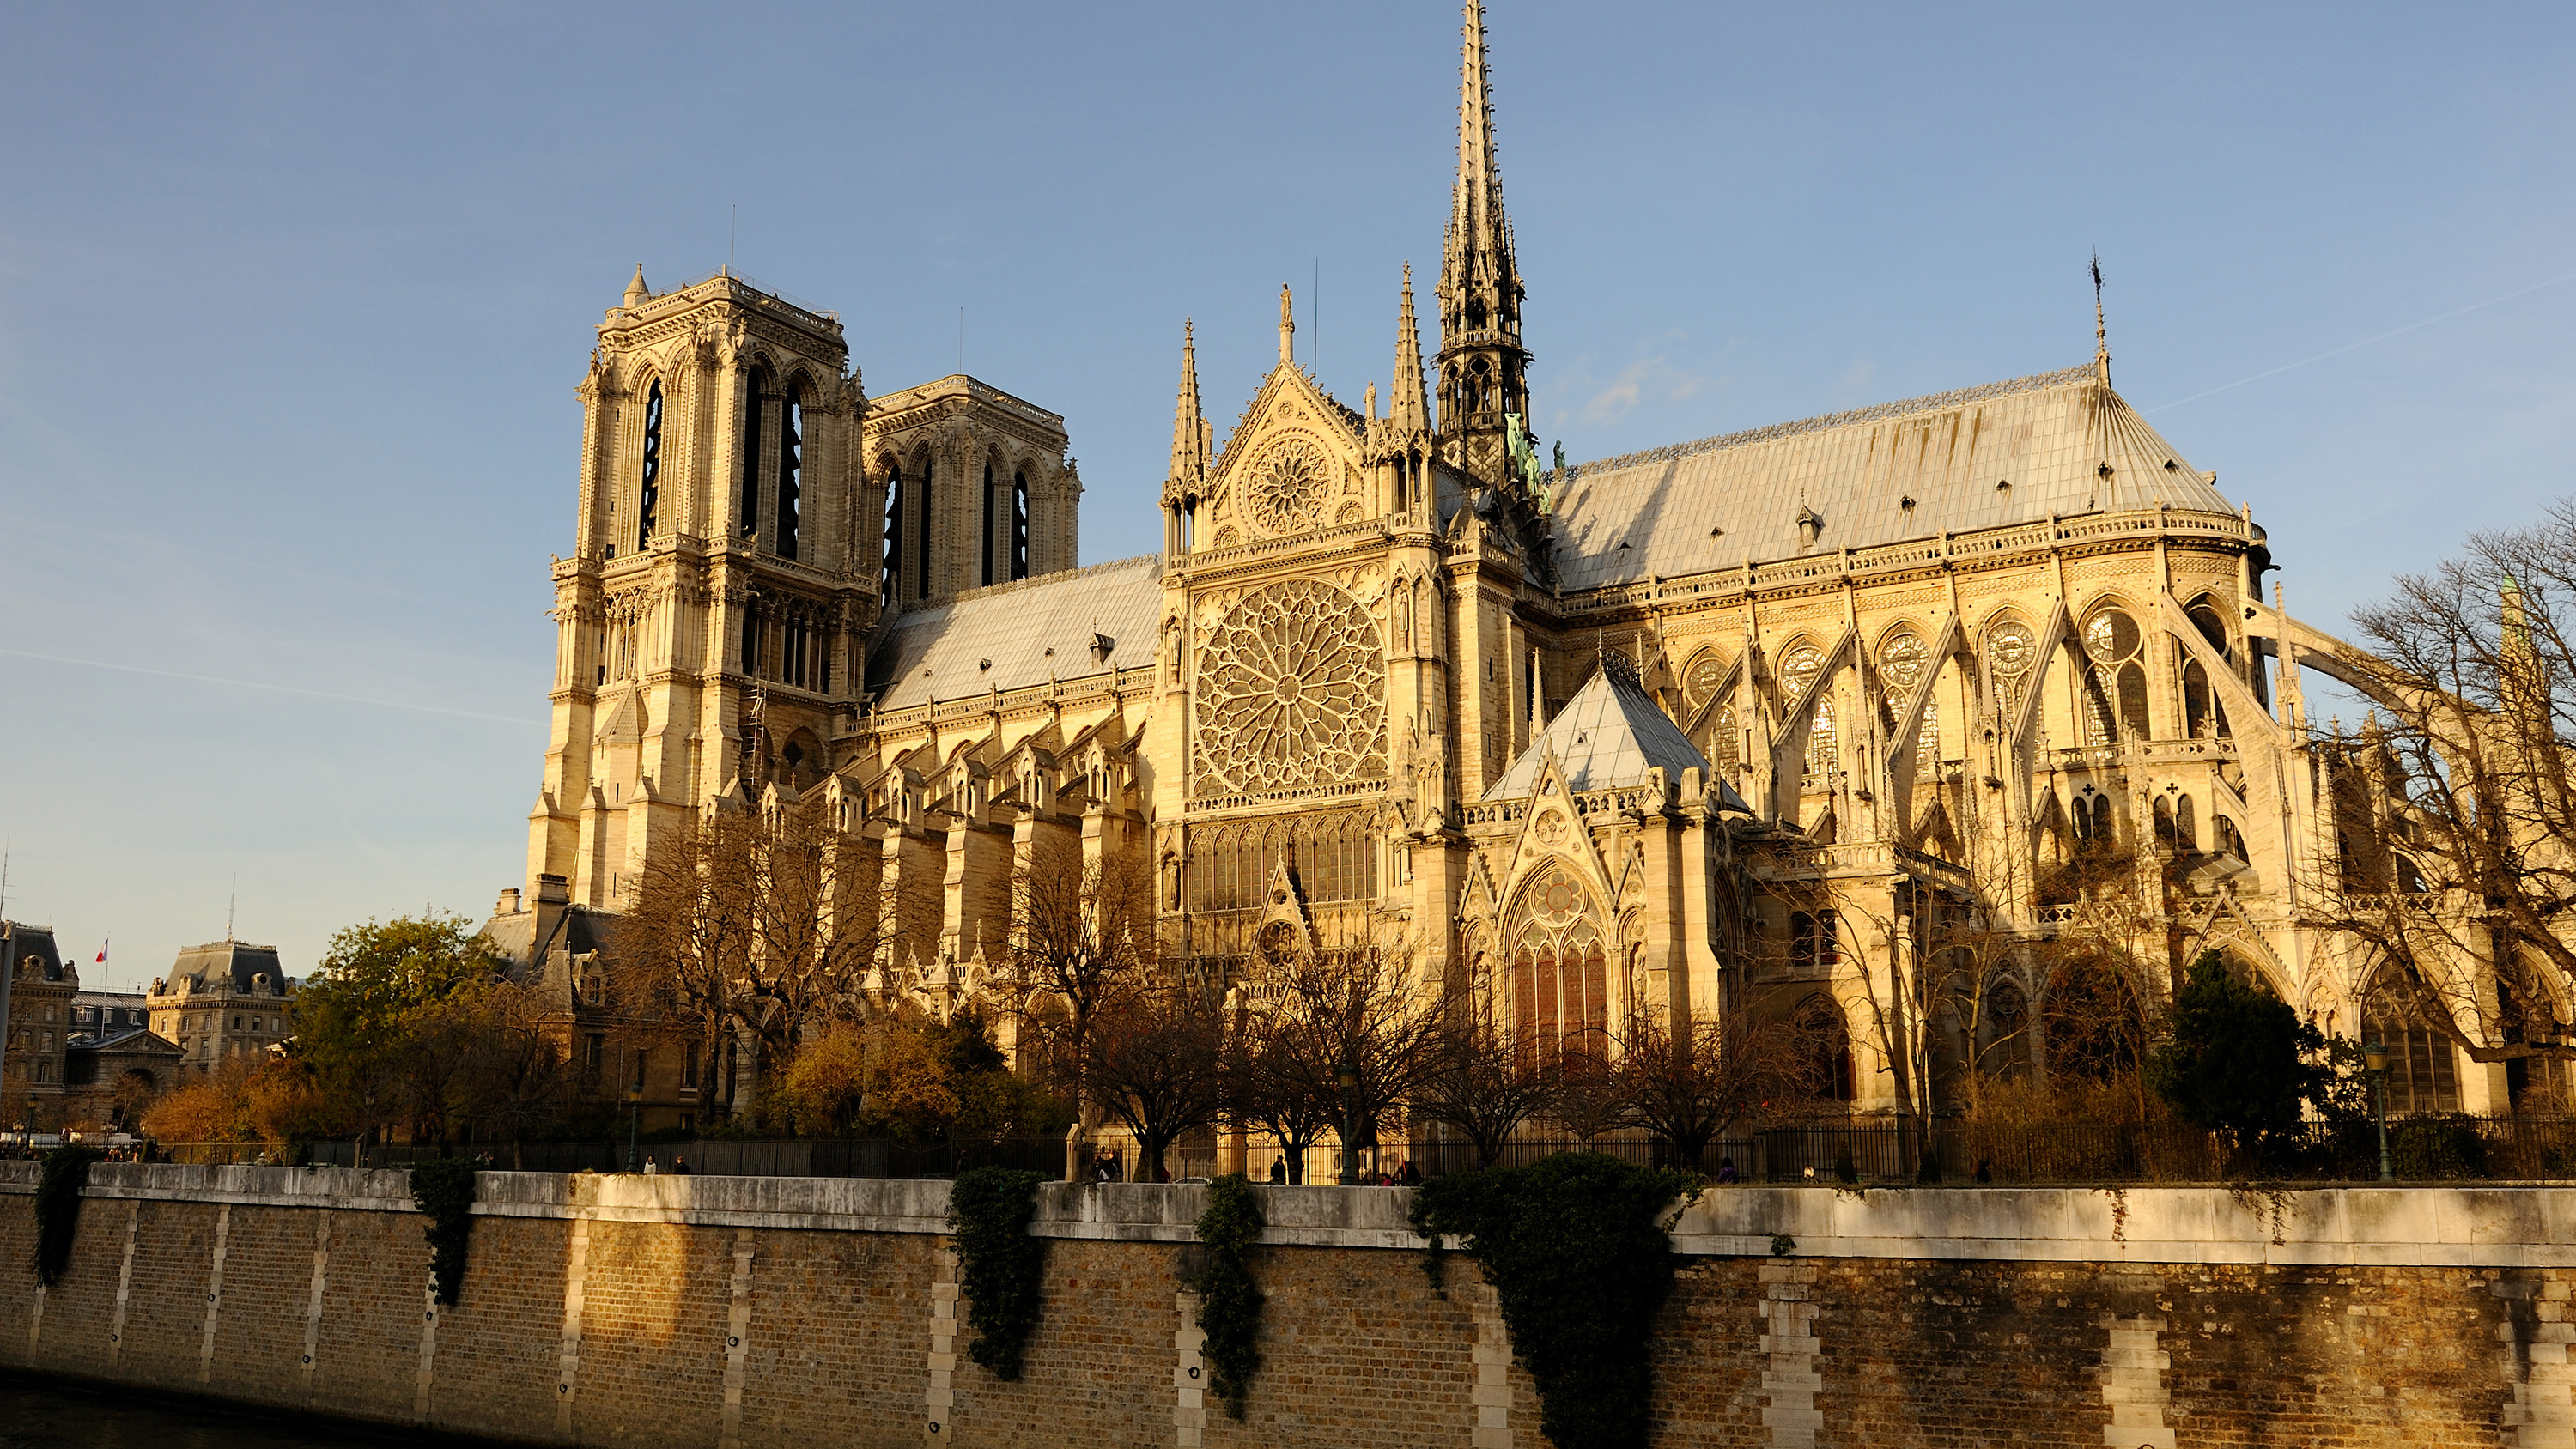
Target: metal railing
[(784, 1157)]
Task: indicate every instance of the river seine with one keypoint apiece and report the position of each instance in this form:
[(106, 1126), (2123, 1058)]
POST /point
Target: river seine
[(38, 1415)]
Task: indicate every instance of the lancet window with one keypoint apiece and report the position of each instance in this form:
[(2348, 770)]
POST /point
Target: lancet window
[(2115, 695), (1330, 857), (1823, 1048), (648, 489), (1019, 525), (921, 547), (893, 533), (2423, 1072), (755, 388), (1560, 968), (791, 468), (985, 575)]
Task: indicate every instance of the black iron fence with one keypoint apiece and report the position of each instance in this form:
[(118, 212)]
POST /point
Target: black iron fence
[(790, 1157), (2454, 1147)]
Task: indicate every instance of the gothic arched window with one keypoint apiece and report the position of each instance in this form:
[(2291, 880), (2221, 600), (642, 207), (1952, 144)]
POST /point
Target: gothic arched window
[(1019, 525), (921, 584), (1821, 747), (986, 528), (1560, 968), (2116, 689), (791, 466), (2186, 828), (893, 533), (648, 497), (754, 385), (1823, 1047)]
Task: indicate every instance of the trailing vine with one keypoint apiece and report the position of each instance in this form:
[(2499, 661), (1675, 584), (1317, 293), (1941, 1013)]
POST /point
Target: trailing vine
[(1000, 1267), (58, 1200), (1229, 1301), (444, 1189), (1580, 1255)]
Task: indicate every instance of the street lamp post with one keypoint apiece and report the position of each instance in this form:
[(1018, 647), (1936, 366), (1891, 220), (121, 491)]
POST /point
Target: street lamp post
[(634, 1114), (1349, 1076), (2374, 1057)]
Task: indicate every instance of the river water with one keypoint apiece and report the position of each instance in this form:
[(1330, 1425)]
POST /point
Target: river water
[(36, 1414)]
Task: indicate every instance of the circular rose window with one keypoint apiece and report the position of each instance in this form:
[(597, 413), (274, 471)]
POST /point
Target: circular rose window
[(1291, 693), (1287, 490)]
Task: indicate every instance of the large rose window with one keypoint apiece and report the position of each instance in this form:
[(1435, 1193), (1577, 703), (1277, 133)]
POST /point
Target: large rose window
[(1291, 693), (1288, 487)]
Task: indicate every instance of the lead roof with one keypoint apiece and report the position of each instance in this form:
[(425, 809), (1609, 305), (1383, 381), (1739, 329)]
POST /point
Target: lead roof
[(1013, 635)]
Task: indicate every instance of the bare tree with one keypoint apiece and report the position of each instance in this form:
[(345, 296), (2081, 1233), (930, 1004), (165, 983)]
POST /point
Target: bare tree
[(1590, 1094), (1346, 1011), (519, 1080), (1484, 1087), (1082, 935), (1688, 1082), (1158, 1063), (758, 920), (2452, 855)]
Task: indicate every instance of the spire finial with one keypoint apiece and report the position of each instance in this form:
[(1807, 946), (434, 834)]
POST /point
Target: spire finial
[(637, 294), (1405, 405), (2101, 333), (1189, 419), (1287, 327)]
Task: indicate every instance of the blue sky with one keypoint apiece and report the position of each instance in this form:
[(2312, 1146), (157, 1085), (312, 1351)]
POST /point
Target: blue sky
[(293, 299)]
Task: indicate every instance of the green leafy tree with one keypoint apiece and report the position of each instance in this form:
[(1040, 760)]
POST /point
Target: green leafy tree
[(390, 1021), (2239, 1059)]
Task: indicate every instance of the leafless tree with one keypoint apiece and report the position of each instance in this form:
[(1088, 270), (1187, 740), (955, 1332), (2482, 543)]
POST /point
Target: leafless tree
[(1340, 1011), (1159, 1065), (1689, 1082), (1082, 935), (518, 1077), (2453, 858), (1484, 1086), (758, 920)]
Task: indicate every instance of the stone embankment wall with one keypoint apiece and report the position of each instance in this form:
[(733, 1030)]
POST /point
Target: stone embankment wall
[(793, 1312)]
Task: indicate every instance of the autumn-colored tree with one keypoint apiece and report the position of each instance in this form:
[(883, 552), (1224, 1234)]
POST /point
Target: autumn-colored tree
[(386, 1023), (759, 920)]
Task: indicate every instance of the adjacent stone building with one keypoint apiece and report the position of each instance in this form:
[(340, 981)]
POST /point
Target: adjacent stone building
[(36, 990), (1763, 722), (221, 1001)]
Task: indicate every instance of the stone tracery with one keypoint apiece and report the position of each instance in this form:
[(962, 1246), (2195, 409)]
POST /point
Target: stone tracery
[(1291, 693)]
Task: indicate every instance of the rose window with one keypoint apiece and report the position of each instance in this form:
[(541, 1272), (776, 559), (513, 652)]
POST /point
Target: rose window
[(1901, 660), (1291, 693), (1798, 669), (1288, 487)]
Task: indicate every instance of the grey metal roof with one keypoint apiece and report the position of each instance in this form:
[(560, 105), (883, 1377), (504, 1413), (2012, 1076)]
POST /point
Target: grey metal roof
[(1608, 735), (1725, 501), (1017, 634), (232, 966), (34, 943)]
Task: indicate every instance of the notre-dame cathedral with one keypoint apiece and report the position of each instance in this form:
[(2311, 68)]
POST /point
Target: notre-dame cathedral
[(1395, 678)]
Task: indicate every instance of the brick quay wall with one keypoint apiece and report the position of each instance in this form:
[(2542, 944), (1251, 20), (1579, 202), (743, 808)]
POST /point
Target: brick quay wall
[(744, 1313)]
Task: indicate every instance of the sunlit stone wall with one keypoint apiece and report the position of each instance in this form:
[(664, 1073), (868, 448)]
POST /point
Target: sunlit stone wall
[(794, 1312)]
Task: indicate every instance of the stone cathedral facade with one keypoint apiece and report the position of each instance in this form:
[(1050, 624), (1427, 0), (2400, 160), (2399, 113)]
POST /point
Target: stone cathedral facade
[(1728, 725)]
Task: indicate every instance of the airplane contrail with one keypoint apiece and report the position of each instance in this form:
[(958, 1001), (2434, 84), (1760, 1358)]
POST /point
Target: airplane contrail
[(2365, 342), (274, 688)]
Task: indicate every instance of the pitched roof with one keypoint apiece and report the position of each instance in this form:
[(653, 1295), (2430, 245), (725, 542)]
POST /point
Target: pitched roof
[(1608, 735), (1021, 633), (227, 966), (1725, 501)]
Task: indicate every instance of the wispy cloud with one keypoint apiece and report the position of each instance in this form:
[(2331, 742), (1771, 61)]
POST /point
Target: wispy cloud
[(273, 688), (1652, 378)]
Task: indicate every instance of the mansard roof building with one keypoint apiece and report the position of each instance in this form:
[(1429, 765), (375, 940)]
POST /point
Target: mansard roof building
[(1733, 725)]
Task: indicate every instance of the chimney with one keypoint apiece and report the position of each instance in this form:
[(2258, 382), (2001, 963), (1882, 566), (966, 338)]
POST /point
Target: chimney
[(509, 903)]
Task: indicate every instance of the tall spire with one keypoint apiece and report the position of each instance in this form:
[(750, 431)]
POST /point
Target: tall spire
[(1479, 185), (1405, 406), (1189, 420), (2101, 332), (1481, 363)]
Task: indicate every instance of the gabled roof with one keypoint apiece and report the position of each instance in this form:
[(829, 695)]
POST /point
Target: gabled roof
[(1017, 634), (1725, 501), (1609, 735)]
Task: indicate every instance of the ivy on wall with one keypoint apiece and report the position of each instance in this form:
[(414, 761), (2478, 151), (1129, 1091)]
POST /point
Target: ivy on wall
[(58, 1200), (1001, 1268), (444, 1189), (1578, 1250), (1229, 1301)]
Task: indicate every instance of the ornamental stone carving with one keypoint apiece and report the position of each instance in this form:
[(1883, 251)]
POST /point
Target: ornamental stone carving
[(1288, 487), (1291, 693)]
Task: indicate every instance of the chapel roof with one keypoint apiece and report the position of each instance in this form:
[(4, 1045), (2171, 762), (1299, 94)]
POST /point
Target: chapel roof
[(1982, 457), (1607, 736), (235, 967), (1022, 633)]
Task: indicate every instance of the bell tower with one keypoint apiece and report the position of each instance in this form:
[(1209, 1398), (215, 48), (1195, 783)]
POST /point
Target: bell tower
[(1481, 364), (709, 620)]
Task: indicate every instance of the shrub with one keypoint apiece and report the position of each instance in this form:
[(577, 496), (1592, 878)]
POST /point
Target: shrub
[(1579, 1256), (1229, 1301), (1000, 1267), (444, 1189)]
